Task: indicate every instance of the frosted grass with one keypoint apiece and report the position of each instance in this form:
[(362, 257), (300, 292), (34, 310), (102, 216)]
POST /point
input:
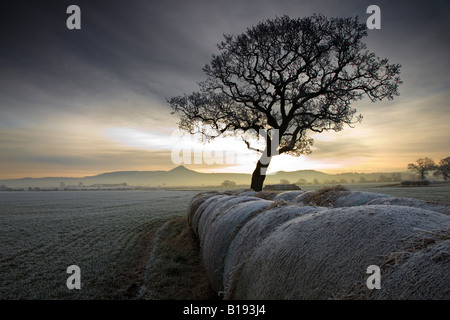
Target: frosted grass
[(42, 233)]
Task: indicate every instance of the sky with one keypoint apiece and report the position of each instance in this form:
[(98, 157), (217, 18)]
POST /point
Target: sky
[(75, 103)]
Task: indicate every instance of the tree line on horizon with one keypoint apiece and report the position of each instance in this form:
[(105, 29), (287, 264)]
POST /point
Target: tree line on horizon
[(424, 166)]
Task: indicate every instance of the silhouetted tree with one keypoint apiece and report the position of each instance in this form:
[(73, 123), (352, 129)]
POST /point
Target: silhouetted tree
[(423, 166), (443, 169), (284, 78)]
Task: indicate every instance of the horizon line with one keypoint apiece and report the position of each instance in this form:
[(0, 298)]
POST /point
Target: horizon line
[(182, 166)]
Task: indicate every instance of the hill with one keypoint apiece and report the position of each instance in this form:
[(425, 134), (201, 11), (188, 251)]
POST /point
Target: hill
[(182, 177)]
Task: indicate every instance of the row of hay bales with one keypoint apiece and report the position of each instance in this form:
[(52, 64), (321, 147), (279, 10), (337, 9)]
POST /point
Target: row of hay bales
[(319, 244)]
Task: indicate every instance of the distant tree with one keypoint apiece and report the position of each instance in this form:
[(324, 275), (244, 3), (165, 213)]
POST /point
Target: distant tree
[(422, 167), (383, 178), (396, 177), (316, 181), (302, 181), (443, 169), (228, 184), (284, 181), (283, 79), (362, 180)]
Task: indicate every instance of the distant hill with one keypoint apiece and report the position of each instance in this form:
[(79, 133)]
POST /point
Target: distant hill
[(183, 177)]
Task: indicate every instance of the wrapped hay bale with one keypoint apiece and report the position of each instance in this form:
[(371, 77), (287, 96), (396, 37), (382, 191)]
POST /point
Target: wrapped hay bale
[(209, 201), (325, 197), (422, 275), (255, 230), (356, 198), (287, 195), (325, 255), (243, 192), (408, 202), (196, 201), (338, 196), (303, 196), (267, 195), (219, 235), (213, 212)]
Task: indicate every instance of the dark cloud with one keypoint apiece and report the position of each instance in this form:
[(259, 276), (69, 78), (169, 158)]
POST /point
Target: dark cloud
[(157, 48), (130, 55)]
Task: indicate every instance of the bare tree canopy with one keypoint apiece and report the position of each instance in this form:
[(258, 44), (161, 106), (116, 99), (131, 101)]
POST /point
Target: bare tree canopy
[(289, 76), (443, 169), (422, 167)]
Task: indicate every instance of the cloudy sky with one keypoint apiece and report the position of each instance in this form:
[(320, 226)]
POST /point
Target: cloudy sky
[(83, 102)]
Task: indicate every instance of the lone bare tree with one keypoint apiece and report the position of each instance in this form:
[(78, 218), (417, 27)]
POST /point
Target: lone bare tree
[(443, 169), (285, 78), (423, 166)]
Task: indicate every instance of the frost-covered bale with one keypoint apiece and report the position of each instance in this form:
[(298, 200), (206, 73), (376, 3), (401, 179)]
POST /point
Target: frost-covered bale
[(221, 232), (356, 198), (325, 255), (243, 192), (325, 197), (257, 229), (426, 269), (267, 195), (196, 201), (220, 207), (210, 201), (287, 195), (338, 196), (301, 198), (247, 193), (408, 202)]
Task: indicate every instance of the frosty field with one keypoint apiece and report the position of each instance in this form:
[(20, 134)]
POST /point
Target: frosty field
[(106, 233)]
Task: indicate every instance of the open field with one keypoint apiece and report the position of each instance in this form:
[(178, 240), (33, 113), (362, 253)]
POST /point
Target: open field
[(109, 235)]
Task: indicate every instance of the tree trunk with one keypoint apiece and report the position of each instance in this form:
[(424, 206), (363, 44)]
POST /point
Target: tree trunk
[(259, 175)]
